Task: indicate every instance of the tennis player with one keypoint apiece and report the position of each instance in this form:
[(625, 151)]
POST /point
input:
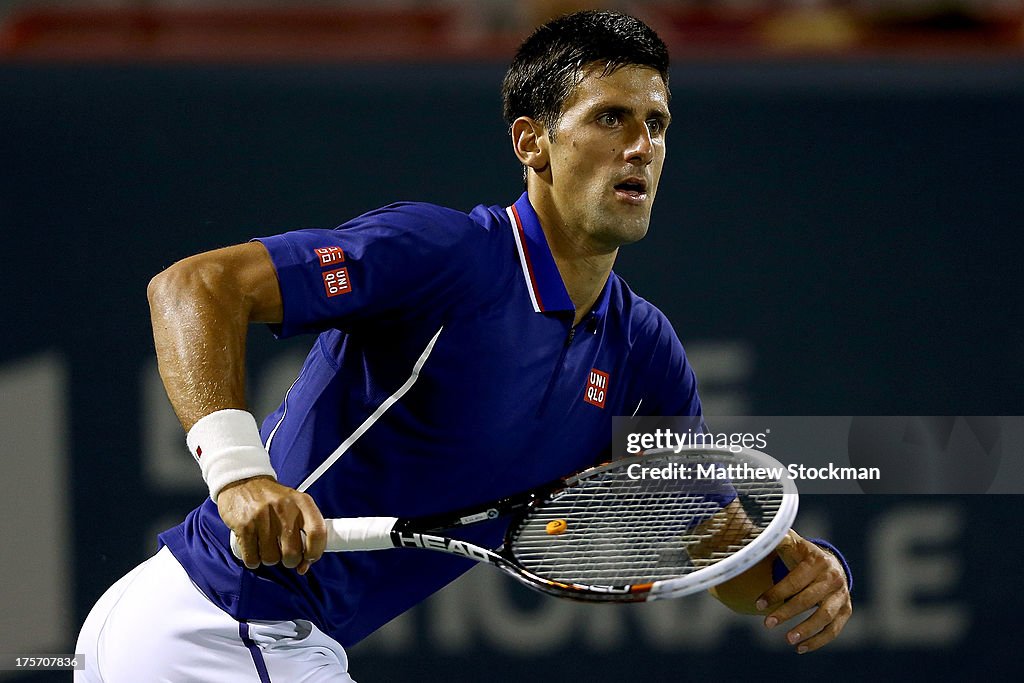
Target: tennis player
[(459, 358)]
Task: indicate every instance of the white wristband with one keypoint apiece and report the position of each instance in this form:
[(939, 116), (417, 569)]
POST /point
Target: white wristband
[(228, 448)]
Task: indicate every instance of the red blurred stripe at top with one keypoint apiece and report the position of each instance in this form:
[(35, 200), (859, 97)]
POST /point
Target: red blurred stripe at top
[(299, 34), (311, 34)]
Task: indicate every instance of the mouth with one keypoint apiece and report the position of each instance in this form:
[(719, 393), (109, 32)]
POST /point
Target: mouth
[(632, 190)]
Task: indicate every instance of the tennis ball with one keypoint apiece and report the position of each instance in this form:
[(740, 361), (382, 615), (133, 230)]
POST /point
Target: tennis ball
[(741, 593)]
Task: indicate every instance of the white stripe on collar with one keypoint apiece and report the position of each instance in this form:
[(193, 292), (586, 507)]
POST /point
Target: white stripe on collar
[(522, 258)]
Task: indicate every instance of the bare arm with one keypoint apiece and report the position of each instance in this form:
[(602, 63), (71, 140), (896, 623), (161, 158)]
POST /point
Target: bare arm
[(201, 309), (725, 528)]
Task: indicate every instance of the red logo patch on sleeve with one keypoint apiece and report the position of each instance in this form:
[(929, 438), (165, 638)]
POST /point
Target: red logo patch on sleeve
[(336, 282), (329, 255), (597, 388)]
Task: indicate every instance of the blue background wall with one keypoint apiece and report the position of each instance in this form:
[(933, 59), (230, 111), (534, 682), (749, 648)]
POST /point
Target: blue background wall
[(829, 239)]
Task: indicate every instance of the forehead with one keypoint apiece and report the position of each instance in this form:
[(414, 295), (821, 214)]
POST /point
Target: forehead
[(636, 87)]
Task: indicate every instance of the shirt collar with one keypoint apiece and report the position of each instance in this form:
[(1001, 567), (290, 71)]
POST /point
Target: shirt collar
[(543, 281), (600, 308)]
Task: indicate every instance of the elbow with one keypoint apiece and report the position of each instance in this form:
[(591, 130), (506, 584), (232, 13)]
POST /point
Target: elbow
[(158, 288), (187, 281), (167, 287)]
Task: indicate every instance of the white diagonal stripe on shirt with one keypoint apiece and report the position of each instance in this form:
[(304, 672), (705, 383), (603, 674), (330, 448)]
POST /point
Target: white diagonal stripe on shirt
[(376, 415)]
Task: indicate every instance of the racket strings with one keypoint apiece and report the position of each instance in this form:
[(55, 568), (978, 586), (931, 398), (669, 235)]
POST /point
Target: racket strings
[(625, 531)]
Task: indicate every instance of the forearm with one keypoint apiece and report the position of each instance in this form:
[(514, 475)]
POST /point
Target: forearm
[(201, 309), (199, 334), (728, 526)]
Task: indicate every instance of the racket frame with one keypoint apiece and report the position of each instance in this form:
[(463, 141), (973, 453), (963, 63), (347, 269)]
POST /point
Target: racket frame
[(374, 533)]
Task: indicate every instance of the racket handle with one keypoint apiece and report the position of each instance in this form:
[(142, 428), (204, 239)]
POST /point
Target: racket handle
[(345, 534), (359, 533)]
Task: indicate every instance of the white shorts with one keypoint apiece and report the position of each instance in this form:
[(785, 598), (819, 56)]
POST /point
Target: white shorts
[(156, 625)]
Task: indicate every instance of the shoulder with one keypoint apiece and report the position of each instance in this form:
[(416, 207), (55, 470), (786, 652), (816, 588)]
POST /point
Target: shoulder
[(444, 224), (645, 325), (414, 212), (471, 252)]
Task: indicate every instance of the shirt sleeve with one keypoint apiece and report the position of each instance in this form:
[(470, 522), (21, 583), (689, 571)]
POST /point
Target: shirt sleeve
[(390, 263)]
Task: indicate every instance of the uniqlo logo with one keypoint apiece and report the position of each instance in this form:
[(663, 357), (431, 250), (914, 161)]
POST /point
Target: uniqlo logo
[(597, 388), (336, 282), (329, 255)]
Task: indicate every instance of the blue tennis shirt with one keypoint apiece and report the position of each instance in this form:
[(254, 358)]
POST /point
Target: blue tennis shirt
[(447, 372)]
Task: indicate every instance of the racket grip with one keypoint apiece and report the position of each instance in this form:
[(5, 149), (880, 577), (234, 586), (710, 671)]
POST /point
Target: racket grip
[(359, 533), (345, 534)]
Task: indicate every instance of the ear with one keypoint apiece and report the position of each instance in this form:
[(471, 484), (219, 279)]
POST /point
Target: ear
[(530, 141)]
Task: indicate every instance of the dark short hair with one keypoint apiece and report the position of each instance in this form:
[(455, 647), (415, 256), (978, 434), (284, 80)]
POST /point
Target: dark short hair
[(551, 62)]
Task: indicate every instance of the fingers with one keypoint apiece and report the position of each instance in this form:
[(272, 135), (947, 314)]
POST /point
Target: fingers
[(823, 626), (270, 522), (815, 580), (804, 587), (315, 532), (290, 542), (267, 531), (249, 548), (798, 578)]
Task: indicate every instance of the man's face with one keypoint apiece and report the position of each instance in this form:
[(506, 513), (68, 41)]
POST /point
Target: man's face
[(606, 156)]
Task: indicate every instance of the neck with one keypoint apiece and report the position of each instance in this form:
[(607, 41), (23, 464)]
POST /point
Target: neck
[(583, 266), (584, 278)]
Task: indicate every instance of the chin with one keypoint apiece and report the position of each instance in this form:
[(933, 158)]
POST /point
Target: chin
[(635, 235), (624, 233), (634, 229), (618, 225)]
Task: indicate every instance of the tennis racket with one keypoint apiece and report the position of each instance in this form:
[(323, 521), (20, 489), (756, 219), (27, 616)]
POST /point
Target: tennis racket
[(662, 524)]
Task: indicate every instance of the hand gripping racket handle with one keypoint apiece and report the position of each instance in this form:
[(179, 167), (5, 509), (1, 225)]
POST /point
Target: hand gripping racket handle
[(353, 533)]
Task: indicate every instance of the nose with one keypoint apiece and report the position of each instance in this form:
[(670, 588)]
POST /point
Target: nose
[(640, 150)]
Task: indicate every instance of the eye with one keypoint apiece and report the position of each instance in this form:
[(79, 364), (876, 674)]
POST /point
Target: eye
[(656, 126), (609, 119)]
